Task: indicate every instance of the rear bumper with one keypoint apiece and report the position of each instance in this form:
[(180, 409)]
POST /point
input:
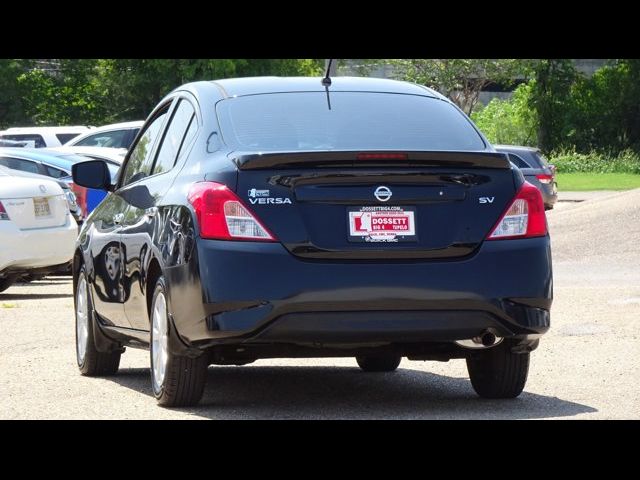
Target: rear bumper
[(24, 250), (259, 292)]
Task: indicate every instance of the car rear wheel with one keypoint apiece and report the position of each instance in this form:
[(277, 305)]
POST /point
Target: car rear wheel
[(91, 362), (497, 372), (378, 363), (177, 380)]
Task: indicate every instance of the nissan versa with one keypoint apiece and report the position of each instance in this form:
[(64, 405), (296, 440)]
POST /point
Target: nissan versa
[(295, 217)]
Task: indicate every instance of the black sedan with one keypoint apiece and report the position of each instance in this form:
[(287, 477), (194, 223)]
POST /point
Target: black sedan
[(288, 217)]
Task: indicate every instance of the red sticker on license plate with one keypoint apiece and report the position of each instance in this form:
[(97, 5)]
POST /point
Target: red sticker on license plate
[(382, 224)]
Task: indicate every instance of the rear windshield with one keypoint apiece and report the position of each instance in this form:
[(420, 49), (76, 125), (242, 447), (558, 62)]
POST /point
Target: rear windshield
[(356, 121), (541, 158)]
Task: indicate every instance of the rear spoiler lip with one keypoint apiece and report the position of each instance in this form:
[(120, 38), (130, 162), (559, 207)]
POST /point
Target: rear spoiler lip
[(332, 158)]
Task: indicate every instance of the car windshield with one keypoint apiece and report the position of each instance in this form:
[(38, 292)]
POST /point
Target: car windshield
[(356, 121)]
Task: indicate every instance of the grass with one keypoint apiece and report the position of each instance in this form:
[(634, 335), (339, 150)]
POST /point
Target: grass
[(597, 181)]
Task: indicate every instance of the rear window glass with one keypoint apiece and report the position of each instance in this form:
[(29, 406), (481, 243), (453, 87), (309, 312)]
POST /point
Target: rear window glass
[(33, 140), (65, 137), (356, 121), (541, 158)]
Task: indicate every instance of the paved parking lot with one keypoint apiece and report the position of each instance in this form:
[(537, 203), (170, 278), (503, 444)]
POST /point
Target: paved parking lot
[(587, 366)]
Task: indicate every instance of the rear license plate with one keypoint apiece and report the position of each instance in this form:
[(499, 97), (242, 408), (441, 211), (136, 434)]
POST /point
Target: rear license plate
[(382, 224), (41, 207)]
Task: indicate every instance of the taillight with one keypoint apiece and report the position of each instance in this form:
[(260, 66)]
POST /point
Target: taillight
[(524, 218), (544, 178), (81, 197), (222, 215), (3, 213)]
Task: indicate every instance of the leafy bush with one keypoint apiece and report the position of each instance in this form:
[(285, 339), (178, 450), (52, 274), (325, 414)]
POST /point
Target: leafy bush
[(569, 161), (509, 122)]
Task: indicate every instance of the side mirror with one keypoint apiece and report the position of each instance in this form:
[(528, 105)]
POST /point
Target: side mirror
[(92, 174)]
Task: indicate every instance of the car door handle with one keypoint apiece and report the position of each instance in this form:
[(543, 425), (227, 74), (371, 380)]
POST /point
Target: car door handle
[(118, 218)]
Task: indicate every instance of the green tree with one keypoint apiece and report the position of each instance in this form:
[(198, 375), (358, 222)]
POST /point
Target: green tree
[(508, 121), (461, 80), (12, 110), (551, 100)]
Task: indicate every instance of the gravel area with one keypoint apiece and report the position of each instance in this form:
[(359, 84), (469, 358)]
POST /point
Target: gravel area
[(587, 366)]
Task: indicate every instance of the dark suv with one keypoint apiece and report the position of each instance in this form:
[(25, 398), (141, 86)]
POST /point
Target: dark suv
[(282, 217)]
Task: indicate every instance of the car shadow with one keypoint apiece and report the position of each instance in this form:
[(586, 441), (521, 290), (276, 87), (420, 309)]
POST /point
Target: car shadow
[(33, 296), (270, 392)]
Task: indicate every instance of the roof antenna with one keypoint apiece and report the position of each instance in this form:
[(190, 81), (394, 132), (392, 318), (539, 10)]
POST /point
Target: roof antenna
[(326, 81)]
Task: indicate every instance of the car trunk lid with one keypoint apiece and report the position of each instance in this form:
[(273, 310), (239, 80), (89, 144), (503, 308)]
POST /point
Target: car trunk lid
[(372, 205)]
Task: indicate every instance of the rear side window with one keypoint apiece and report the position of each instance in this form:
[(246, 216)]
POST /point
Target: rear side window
[(65, 137), (19, 164), (33, 140), (140, 160), (115, 139), (55, 172), (518, 161), (356, 121), (174, 137)]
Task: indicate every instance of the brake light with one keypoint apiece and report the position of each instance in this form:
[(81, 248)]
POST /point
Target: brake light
[(81, 197), (3, 213), (525, 217), (222, 215), (382, 156), (544, 178)]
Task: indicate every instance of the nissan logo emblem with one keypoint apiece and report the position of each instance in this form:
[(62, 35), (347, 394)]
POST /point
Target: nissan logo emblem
[(43, 189), (382, 193)]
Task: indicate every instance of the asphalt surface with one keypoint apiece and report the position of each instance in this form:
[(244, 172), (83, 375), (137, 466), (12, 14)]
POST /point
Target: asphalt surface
[(587, 366)]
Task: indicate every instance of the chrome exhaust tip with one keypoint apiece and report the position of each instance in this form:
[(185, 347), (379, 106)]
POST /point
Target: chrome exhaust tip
[(486, 339)]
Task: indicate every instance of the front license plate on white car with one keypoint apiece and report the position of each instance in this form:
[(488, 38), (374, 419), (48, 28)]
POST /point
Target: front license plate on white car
[(41, 207), (382, 224)]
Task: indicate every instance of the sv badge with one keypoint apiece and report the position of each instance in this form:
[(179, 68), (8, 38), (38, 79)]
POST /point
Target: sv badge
[(486, 199)]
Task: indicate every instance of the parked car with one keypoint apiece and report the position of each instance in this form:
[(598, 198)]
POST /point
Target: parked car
[(57, 164), (117, 135), (37, 232), (42, 137), (282, 217), (536, 170), (63, 183)]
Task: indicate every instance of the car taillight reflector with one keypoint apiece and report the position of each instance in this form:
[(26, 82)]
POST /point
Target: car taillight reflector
[(544, 178), (222, 215), (524, 218), (3, 213)]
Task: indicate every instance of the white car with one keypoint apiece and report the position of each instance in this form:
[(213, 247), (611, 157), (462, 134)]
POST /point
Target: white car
[(111, 155), (116, 135), (42, 137), (37, 232)]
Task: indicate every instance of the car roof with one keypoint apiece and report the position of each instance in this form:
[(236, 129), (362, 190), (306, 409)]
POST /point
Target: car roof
[(45, 155), (235, 87), (113, 126), (68, 129)]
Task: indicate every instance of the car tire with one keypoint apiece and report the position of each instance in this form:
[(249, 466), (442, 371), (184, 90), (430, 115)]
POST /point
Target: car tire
[(498, 372), (378, 363), (91, 362), (6, 282), (177, 381)]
